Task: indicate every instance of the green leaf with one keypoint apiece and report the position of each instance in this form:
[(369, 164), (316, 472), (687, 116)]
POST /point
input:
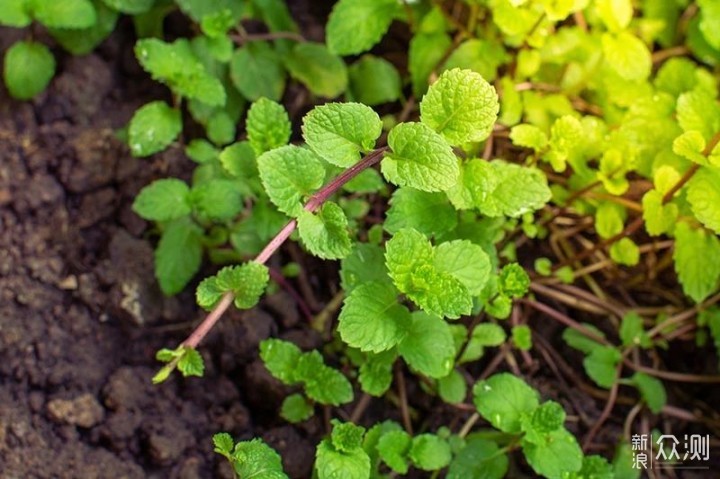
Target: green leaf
[(393, 448), (131, 7), (355, 26), (503, 400), (609, 219), (596, 467), (247, 282), (452, 388), (223, 443), (429, 213), (420, 158), (697, 110), (514, 281), (289, 174), (429, 452), (191, 363), (255, 459), (575, 339), (697, 261), (163, 200), (615, 14), (178, 255), (220, 128), (409, 258), (15, 13), (376, 373), (333, 464), (632, 332), (659, 218), (625, 251), (64, 14), (466, 262), (428, 346), (548, 417), (703, 193), (268, 126), (558, 456), (461, 106), (373, 81), (426, 51), (28, 68), (627, 55), (323, 383), (325, 233), (238, 159), (81, 41), (529, 136), (522, 337), (364, 264), (295, 408), (498, 188), (479, 459), (176, 65), (201, 151), (481, 56), (652, 391), (346, 437), (217, 199), (709, 18), (257, 71), (601, 365), (322, 72), (691, 145), (281, 359), (340, 132), (371, 318), (487, 334), (153, 128), (197, 9)]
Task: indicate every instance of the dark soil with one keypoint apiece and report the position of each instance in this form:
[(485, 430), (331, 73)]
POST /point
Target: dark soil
[(81, 315)]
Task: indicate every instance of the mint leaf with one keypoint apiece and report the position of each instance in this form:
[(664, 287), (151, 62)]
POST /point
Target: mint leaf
[(409, 258), (697, 261), (268, 126), (466, 262), (223, 443), (652, 391), (428, 346), (503, 400), (325, 233), (429, 213), (627, 55), (393, 448), (340, 132), (373, 81), (331, 463), (364, 264), (498, 188), (461, 106), (176, 65), (28, 68), (81, 41), (238, 159), (15, 13), (691, 145), (420, 158), (178, 255), (376, 372), (355, 26), (426, 51), (514, 281), (323, 383), (257, 460), (479, 55), (479, 459), (132, 7), (529, 136), (548, 417), (522, 337), (289, 174), (703, 193), (295, 408), (371, 318), (281, 359), (191, 363), (452, 388), (559, 455), (322, 72), (601, 365), (256, 71), (575, 339), (247, 282), (659, 218), (201, 151), (597, 467), (429, 452), (153, 128), (217, 199), (632, 332), (163, 200), (65, 13), (697, 110)]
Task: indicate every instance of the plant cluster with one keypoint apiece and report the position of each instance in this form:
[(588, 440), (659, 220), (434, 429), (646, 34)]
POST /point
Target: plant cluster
[(591, 126)]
